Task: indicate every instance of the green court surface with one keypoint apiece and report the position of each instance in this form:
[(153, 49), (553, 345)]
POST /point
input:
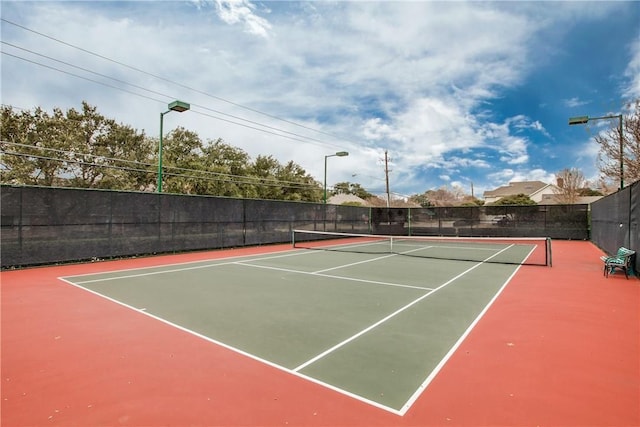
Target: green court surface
[(374, 326)]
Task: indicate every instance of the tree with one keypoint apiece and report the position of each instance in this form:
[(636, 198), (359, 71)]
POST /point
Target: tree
[(507, 216), (443, 196), (76, 148), (609, 154), (104, 153), (518, 199), (86, 149), (87, 131), (288, 182), (182, 159), (38, 146), (420, 199), (226, 168), (472, 201), (136, 155), (340, 188), (351, 188), (16, 165), (589, 192), (265, 169), (295, 183), (570, 183)]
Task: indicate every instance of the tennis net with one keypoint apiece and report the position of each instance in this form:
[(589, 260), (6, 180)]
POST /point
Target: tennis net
[(507, 250)]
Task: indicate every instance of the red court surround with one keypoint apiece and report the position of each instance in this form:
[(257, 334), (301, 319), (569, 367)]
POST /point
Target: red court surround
[(559, 347)]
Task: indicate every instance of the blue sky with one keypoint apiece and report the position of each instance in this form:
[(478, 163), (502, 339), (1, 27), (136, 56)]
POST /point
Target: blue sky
[(455, 92)]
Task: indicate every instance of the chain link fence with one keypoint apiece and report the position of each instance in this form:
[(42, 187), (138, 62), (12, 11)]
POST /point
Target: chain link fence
[(44, 225), (615, 222)]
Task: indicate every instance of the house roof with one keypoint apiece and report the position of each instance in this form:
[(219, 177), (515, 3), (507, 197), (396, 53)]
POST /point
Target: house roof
[(340, 199), (515, 187), (552, 199)]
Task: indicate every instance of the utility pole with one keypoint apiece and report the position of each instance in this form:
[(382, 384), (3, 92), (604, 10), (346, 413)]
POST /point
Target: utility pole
[(386, 174)]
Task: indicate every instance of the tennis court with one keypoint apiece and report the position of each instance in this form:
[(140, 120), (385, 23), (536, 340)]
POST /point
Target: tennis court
[(363, 323), (372, 324)]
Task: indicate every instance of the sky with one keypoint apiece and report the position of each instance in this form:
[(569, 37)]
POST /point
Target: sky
[(468, 94)]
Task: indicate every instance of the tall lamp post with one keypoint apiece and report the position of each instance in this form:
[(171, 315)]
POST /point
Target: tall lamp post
[(581, 120), (178, 106), (338, 154)]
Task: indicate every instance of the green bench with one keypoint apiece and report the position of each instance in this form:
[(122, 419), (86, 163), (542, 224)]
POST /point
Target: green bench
[(622, 260)]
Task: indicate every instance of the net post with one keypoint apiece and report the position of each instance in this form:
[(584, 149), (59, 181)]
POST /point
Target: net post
[(548, 252), (293, 238)]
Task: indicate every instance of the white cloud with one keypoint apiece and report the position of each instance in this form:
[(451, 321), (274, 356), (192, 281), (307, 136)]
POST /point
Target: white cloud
[(414, 78), (633, 71), (243, 11), (465, 162), (505, 176), (522, 122), (574, 102), (518, 160)]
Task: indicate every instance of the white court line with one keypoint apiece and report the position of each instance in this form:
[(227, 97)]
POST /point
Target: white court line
[(395, 313), (212, 263), (320, 272), (352, 279), (242, 352), (295, 372), (371, 260), (354, 263), (292, 252), (453, 349), (468, 248)]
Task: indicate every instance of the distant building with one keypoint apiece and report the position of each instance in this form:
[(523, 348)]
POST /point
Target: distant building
[(554, 199), (536, 190), (340, 199)]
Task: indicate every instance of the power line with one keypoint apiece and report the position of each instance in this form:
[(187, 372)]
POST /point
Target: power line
[(168, 96), (148, 167), (229, 178), (80, 77), (176, 83), (301, 138)]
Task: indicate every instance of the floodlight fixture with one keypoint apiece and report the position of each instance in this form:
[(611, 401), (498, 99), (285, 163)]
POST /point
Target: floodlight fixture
[(180, 107), (338, 154), (581, 120)]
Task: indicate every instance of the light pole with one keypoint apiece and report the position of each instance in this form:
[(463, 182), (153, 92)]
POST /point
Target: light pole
[(178, 106), (338, 154), (581, 120)]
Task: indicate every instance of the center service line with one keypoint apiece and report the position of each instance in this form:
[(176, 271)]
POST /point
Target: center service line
[(395, 313)]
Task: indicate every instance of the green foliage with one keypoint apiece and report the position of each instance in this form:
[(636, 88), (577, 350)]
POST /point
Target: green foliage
[(352, 204), (421, 199), (589, 192), (87, 150), (76, 149), (518, 199), (472, 201), (443, 196), (351, 188)]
